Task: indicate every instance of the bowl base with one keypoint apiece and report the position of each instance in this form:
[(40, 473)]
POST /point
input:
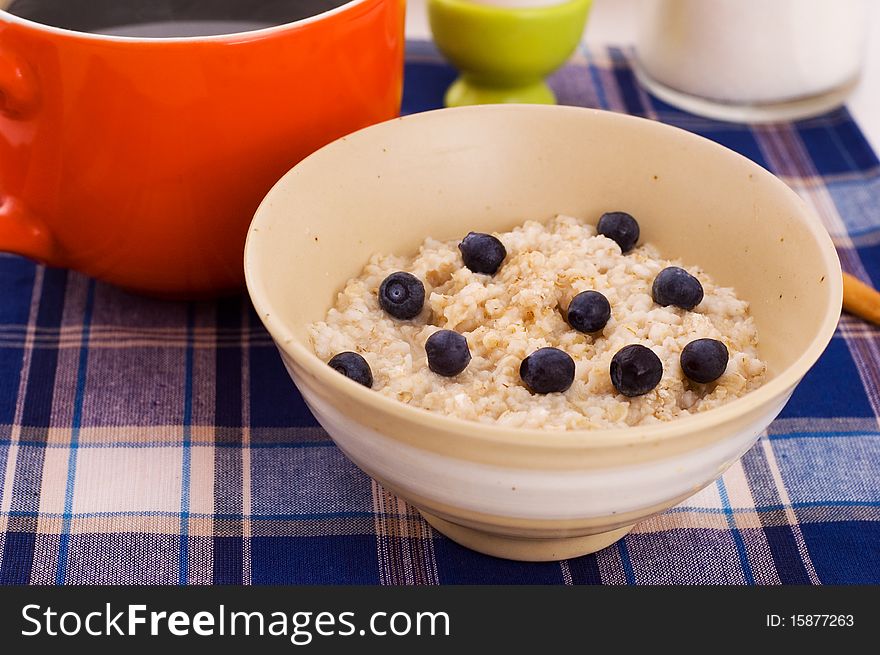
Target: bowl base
[(465, 91), (525, 549)]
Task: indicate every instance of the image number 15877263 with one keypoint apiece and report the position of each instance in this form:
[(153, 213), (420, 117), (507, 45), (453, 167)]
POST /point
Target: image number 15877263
[(810, 621)]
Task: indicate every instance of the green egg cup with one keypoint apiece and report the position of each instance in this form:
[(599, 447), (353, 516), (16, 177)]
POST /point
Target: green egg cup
[(504, 54)]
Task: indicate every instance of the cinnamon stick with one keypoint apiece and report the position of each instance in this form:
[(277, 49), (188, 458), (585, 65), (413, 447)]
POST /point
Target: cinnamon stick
[(860, 299)]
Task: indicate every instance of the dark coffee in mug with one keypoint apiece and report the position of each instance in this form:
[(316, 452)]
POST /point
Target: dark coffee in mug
[(166, 18)]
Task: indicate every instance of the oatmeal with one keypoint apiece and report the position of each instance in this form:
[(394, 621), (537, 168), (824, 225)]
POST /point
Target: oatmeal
[(517, 330)]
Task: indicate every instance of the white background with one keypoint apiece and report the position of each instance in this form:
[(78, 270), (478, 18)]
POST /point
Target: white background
[(612, 22)]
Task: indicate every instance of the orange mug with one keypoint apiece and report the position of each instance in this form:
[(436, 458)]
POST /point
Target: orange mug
[(141, 161)]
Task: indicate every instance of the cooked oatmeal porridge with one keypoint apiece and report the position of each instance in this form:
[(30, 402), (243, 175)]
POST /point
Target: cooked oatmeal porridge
[(507, 317)]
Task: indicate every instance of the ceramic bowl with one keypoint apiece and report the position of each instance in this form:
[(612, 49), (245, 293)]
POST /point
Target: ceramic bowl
[(520, 493)]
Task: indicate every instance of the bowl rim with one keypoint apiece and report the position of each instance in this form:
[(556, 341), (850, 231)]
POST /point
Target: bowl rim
[(549, 439)]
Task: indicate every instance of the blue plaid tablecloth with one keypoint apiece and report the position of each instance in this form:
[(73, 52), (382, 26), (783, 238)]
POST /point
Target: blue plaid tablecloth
[(163, 443)]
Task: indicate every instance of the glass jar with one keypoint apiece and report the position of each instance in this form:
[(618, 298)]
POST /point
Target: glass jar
[(752, 60)]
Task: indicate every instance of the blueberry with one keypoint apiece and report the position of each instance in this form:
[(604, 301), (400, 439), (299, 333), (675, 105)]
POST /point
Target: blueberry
[(621, 228), (482, 253), (354, 367), (448, 353), (588, 311), (635, 370), (704, 360), (547, 370), (402, 295), (675, 286)]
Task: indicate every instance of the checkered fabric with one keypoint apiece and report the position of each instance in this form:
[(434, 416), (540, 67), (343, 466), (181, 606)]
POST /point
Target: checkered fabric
[(159, 443)]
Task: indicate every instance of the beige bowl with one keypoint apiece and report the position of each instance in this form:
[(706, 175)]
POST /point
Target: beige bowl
[(511, 492)]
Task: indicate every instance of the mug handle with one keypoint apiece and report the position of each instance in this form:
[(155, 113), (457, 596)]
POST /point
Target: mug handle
[(19, 93), (21, 231)]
